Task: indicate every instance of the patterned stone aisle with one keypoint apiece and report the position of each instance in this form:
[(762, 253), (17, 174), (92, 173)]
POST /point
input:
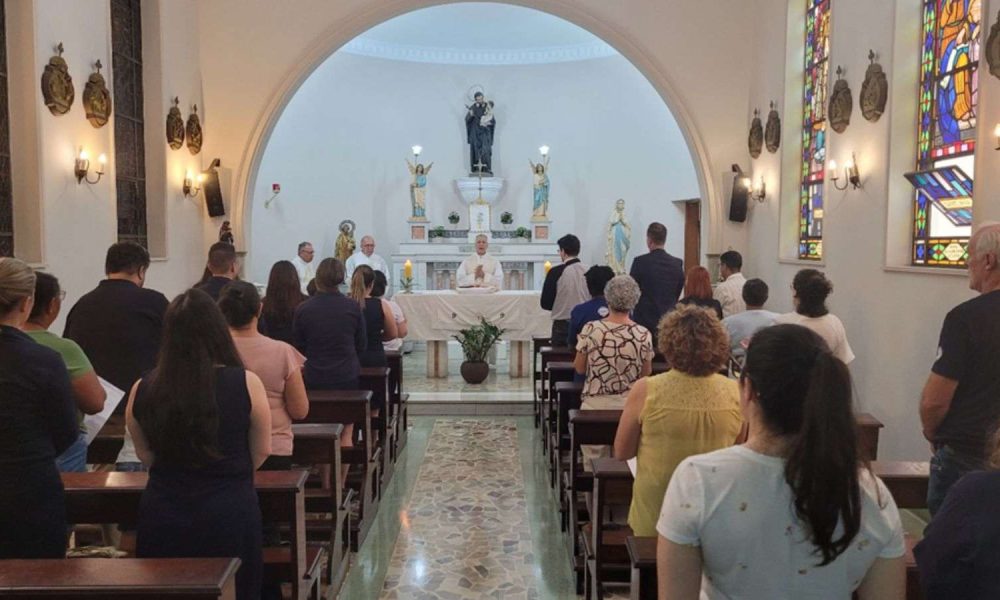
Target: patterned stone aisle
[(465, 532)]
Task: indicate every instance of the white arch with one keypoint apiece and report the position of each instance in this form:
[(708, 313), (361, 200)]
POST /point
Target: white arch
[(362, 20)]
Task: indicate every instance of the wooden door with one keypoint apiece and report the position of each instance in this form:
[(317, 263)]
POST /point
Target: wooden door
[(692, 233)]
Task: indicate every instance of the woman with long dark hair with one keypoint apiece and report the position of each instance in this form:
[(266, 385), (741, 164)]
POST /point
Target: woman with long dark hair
[(202, 425), (793, 512), (283, 296), (698, 290), (380, 324), (39, 423)]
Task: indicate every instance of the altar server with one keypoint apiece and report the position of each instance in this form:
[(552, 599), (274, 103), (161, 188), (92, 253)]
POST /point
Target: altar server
[(480, 269)]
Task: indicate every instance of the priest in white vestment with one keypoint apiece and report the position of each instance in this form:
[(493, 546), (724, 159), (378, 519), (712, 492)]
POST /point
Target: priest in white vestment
[(366, 256), (480, 269), (304, 264)]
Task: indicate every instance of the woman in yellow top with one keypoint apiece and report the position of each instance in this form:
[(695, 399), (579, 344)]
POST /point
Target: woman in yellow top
[(688, 410)]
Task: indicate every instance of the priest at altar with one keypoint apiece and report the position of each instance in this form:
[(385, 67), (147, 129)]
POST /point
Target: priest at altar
[(480, 269), (366, 256)]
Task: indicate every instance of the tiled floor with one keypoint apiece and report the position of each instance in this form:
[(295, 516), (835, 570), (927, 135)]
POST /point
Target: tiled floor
[(417, 383), (468, 514)]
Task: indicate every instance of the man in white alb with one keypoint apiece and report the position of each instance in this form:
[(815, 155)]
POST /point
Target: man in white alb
[(480, 269), (366, 256), (303, 264)]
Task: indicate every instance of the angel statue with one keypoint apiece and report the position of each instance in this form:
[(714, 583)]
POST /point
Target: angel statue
[(345, 245), (619, 239), (540, 205), (418, 189)]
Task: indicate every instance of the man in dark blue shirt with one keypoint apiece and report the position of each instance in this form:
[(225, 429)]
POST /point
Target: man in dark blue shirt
[(222, 265), (594, 309)]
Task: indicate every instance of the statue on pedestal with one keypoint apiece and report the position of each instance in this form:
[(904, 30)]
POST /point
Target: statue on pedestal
[(345, 245), (418, 189), (619, 239), (540, 203), (479, 126)]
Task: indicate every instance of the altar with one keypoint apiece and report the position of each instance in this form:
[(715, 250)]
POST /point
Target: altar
[(434, 317)]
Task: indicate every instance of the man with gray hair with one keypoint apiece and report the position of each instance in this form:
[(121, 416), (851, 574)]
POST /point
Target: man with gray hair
[(366, 256), (480, 269), (303, 263), (960, 404)]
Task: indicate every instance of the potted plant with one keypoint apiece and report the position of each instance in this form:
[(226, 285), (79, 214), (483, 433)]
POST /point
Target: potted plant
[(522, 234), (454, 218), (476, 343), (506, 219), (436, 234)]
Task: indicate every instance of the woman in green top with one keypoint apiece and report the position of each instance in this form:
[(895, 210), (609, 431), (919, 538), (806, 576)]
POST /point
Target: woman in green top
[(87, 389)]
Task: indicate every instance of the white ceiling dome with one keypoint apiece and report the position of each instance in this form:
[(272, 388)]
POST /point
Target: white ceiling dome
[(479, 33)]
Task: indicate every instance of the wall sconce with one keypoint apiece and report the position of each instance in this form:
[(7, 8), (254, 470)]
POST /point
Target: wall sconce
[(81, 167), (996, 133), (416, 153), (543, 150), (759, 192), (192, 184), (850, 170)]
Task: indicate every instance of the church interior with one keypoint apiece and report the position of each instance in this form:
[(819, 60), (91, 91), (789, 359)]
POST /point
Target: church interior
[(461, 170)]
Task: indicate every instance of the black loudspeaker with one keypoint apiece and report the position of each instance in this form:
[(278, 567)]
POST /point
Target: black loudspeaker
[(213, 194), (738, 201)]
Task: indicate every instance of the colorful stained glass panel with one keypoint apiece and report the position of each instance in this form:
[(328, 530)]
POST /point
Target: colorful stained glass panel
[(813, 160)]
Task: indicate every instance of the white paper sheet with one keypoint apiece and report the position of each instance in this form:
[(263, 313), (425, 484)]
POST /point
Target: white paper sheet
[(94, 423), (632, 465)]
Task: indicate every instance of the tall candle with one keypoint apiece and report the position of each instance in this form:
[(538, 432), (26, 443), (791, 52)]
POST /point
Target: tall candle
[(408, 269), (548, 267)]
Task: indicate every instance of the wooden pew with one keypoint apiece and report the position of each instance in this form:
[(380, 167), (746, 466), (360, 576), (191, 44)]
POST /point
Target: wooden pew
[(586, 427), (104, 449), (555, 372), (604, 548), (376, 380), (397, 397), (319, 445), (642, 559), (549, 354), (122, 579), (102, 497), (537, 342), (568, 395), (868, 431), (907, 481), (364, 457)]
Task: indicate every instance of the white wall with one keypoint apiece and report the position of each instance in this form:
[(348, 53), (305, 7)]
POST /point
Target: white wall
[(77, 223), (338, 151), (892, 315)]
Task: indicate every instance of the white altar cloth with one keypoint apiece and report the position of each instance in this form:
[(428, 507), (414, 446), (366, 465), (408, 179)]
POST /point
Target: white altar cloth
[(438, 315), (435, 316)]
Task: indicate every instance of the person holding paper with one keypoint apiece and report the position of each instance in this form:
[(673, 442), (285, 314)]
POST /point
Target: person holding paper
[(87, 389)]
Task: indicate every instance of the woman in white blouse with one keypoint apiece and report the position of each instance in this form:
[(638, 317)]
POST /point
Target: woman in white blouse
[(811, 289), (793, 513)]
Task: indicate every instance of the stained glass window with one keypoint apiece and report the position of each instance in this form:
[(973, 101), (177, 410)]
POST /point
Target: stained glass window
[(946, 132), (130, 148), (817, 51), (6, 191)]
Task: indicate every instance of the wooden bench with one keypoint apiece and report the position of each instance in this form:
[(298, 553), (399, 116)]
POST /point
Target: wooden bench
[(376, 380), (318, 445), (604, 548), (102, 497), (363, 458), (537, 342), (397, 398), (586, 427), (568, 396), (642, 561), (907, 481), (548, 354), (104, 448), (555, 372), (122, 579), (868, 431)]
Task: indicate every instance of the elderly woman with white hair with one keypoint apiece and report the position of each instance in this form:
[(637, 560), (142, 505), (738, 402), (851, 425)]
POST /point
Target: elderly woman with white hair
[(615, 351)]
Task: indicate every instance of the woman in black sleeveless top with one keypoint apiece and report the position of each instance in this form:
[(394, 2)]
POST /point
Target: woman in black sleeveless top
[(380, 325), (202, 424)]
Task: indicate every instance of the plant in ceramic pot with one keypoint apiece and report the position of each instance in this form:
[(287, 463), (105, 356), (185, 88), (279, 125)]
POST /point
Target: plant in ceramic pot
[(436, 234), (506, 219), (522, 234), (476, 342), (454, 218)]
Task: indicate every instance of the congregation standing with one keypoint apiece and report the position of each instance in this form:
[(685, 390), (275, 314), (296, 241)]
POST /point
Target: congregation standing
[(753, 485)]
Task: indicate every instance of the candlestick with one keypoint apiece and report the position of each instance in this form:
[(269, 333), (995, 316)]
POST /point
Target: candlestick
[(408, 269)]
